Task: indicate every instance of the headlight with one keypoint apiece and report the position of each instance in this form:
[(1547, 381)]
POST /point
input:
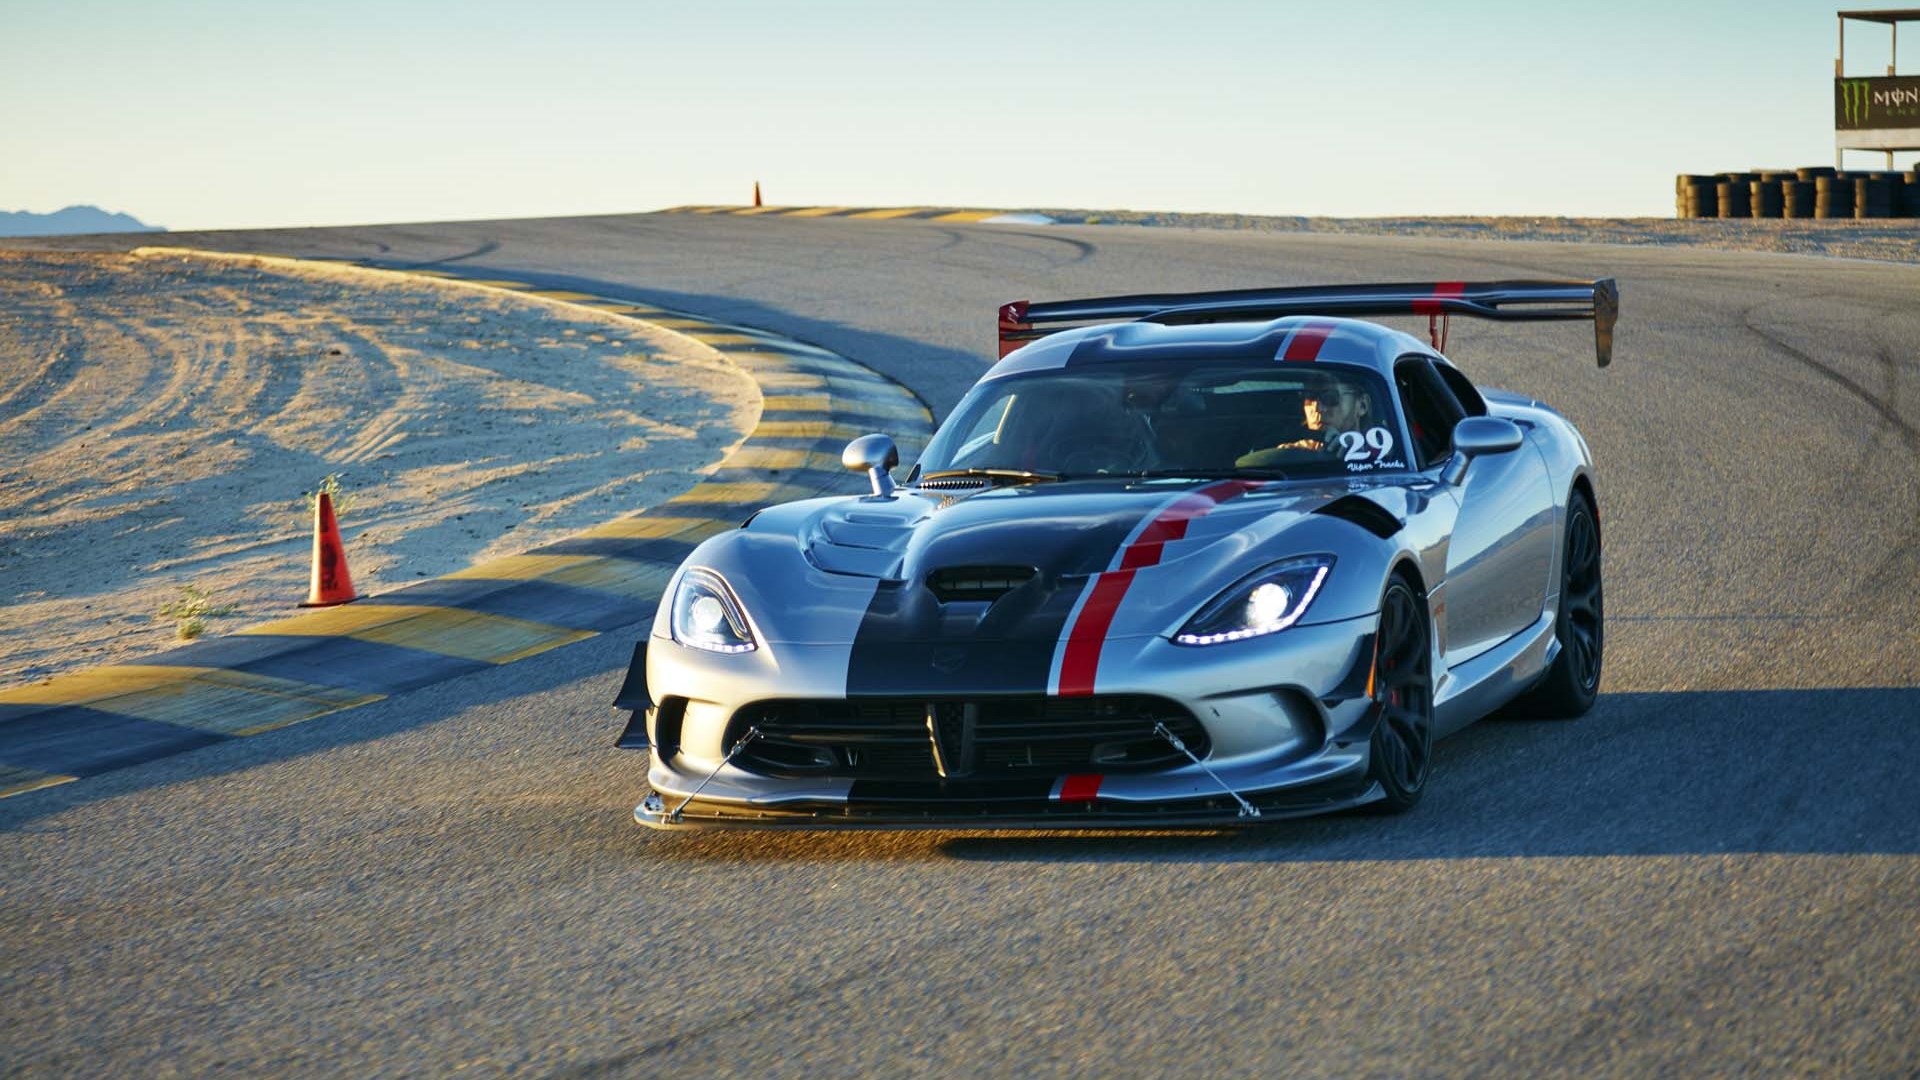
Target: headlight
[(1264, 602), (706, 615)]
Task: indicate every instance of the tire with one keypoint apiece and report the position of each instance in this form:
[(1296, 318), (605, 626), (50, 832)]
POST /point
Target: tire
[(1400, 751), (1573, 682)]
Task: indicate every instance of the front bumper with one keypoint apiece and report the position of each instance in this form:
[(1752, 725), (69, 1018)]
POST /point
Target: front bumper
[(1286, 721)]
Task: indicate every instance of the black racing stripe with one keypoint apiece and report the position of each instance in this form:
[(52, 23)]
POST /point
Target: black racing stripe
[(909, 643), (904, 647), (73, 740)]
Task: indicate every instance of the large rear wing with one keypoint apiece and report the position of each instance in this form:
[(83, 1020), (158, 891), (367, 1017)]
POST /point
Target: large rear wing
[(1513, 301)]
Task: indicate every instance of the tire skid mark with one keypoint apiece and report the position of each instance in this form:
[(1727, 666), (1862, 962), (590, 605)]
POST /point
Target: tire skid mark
[(608, 576), (486, 247), (1887, 579)]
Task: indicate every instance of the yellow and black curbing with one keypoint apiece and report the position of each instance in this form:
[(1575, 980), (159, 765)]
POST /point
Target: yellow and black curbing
[(324, 661)]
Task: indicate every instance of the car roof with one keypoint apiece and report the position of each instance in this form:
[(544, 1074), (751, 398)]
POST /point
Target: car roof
[(1293, 337)]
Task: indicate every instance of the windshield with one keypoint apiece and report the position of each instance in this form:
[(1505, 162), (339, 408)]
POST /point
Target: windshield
[(1155, 418)]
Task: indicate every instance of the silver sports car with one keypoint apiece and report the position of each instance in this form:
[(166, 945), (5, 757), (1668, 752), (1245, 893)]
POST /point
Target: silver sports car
[(1213, 559)]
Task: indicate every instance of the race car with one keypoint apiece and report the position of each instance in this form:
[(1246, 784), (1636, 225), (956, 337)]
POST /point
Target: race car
[(1194, 560)]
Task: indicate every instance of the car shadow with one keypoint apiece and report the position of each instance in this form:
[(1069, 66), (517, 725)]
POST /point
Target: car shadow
[(1665, 773), (1673, 773)]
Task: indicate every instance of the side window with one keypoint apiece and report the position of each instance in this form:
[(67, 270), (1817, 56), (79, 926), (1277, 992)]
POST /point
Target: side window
[(1463, 391), (1431, 409)]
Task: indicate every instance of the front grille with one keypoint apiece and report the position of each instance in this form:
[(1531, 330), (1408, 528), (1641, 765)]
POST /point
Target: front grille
[(981, 738)]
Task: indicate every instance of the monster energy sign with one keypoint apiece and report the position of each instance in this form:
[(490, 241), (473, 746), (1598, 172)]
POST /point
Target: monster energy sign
[(1877, 114)]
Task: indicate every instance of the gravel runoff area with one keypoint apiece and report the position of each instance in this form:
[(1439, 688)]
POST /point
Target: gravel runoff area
[(1883, 239), (162, 416)]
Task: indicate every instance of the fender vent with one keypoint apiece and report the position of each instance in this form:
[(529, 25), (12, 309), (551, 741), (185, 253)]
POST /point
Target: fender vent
[(1363, 512), (977, 583)]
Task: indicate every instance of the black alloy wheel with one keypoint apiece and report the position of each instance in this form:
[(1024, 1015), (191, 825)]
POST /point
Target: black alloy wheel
[(1573, 682), (1401, 750)]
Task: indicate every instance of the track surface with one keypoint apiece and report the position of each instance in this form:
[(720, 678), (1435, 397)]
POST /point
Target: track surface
[(1718, 870)]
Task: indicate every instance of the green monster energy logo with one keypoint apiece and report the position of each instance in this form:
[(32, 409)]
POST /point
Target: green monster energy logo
[(1853, 97)]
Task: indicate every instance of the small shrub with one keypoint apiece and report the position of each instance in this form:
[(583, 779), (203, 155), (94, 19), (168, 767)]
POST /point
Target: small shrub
[(191, 610), (331, 487)]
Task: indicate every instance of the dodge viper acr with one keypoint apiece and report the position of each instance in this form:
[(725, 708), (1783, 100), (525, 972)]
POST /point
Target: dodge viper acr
[(1197, 559)]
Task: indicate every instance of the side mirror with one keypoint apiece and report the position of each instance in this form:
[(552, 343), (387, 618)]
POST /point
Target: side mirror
[(1476, 436), (874, 455)]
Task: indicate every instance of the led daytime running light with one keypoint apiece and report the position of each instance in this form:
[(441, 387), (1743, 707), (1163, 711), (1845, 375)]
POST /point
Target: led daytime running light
[(693, 623), (1286, 620)]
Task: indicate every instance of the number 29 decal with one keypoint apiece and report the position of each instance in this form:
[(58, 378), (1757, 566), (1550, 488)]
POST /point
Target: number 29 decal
[(1372, 446)]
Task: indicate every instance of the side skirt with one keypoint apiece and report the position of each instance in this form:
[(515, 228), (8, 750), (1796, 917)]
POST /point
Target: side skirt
[(1477, 687)]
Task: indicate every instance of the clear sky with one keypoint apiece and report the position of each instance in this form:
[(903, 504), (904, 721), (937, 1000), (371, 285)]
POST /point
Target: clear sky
[(235, 113)]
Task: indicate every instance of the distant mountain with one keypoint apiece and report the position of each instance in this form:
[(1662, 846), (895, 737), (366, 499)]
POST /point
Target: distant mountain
[(74, 219)]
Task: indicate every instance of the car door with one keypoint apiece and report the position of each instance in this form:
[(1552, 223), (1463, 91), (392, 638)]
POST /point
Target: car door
[(1501, 552)]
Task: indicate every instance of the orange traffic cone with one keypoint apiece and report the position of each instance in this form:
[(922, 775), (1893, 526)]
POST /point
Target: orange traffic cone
[(331, 584), (756, 193)]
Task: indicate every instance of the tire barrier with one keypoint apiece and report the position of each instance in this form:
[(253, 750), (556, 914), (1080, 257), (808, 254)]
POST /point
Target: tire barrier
[(1796, 198), (1695, 196), (1833, 196), (1817, 191), (1733, 198)]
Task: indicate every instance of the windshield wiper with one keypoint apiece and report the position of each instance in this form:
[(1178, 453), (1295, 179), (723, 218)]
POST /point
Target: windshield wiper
[(1250, 473), (1000, 476)]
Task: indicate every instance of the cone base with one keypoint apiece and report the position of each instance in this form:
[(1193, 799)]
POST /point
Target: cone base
[(328, 603)]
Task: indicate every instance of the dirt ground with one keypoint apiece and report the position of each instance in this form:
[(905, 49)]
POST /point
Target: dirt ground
[(162, 417)]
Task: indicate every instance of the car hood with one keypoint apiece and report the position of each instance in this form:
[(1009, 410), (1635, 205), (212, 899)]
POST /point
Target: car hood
[(1056, 530)]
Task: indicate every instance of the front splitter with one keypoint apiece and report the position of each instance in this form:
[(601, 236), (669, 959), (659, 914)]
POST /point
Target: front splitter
[(661, 812)]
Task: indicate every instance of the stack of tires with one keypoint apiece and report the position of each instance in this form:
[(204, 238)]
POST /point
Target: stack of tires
[(1877, 194), (1696, 196), (1833, 195), (1768, 198), (1813, 192)]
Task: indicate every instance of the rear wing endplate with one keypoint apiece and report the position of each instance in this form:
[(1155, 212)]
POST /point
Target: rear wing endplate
[(1511, 301)]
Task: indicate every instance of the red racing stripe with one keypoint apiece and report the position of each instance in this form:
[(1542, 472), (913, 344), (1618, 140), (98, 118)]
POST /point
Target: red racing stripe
[(1088, 635), (1306, 342), (1080, 787), (1445, 290)]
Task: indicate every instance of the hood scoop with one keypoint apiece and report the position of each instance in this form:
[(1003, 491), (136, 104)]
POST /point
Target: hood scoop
[(977, 584)]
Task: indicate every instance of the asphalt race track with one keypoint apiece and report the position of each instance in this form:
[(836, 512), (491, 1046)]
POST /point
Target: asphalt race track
[(1716, 871)]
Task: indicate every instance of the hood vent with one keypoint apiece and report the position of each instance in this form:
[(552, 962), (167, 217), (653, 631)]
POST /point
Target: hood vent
[(977, 583), (955, 483)]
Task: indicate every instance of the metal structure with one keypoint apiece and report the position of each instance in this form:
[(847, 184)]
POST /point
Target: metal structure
[(1875, 112)]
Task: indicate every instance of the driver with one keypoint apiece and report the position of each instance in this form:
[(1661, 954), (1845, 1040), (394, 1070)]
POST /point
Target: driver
[(1330, 406)]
